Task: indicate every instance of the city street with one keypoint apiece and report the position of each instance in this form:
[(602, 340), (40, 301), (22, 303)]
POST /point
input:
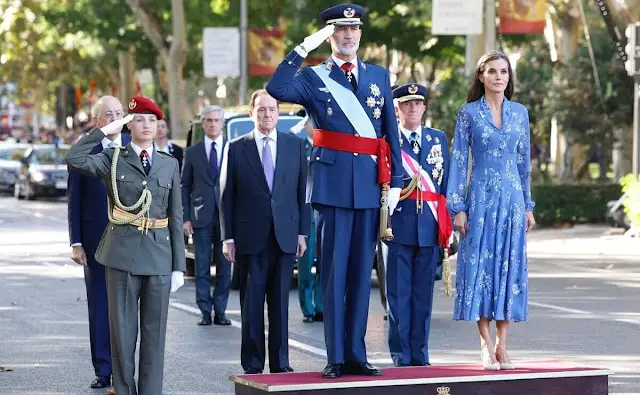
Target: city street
[(584, 307)]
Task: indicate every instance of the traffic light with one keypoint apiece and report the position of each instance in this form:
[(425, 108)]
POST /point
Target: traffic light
[(632, 65)]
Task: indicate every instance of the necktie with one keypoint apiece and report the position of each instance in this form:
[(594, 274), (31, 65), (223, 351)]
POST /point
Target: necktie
[(213, 161), (267, 162), (144, 158), (415, 145), (347, 67)]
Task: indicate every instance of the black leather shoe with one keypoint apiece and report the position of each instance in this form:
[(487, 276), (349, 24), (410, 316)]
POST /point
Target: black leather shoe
[(253, 371), (308, 320), (286, 369), (332, 371), (318, 317), (101, 382), (362, 369), (421, 364), (403, 365), (206, 320), (221, 320)]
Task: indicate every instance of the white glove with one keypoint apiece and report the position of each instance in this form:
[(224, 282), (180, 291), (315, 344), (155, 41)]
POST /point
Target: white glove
[(313, 41), (177, 281), (393, 198), (115, 127)]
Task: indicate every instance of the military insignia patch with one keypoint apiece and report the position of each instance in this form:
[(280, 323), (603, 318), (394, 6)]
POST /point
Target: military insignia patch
[(349, 12), (428, 137), (324, 89), (437, 140), (413, 89), (329, 66), (132, 104), (375, 90)]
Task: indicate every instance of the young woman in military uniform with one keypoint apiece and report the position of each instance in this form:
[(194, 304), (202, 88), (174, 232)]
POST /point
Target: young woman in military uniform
[(142, 247)]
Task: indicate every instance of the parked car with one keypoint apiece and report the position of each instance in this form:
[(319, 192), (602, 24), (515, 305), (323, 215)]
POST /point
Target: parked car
[(43, 172), (10, 156)]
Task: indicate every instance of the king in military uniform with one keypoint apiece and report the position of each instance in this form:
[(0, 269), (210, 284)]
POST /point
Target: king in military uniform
[(421, 227), (355, 174), (142, 247)]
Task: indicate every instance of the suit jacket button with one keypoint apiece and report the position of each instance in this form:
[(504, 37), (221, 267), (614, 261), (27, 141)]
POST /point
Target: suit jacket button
[(121, 177), (144, 183), (317, 158), (112, 228), (167, 237), (355, 154)]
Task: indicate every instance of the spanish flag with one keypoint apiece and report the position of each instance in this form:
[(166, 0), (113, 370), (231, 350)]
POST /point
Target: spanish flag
[(266, 51), (522, 16)]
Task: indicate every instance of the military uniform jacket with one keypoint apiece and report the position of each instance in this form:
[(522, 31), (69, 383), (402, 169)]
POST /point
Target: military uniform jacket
[(338, 178), (411, 227), (123, 247)]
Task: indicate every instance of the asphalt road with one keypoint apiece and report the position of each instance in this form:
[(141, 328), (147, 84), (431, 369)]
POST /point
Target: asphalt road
[(584, 307)]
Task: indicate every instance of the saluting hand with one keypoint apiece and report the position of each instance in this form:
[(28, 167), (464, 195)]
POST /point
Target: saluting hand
[(314, 40), (78, 255), (115, 127)]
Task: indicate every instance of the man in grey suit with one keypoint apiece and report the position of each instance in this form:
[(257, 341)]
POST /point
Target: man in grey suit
[(200, 195), (143, 245), (264, 221)]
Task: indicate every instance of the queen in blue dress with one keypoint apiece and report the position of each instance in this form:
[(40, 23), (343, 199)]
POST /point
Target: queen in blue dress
[(493, 211)]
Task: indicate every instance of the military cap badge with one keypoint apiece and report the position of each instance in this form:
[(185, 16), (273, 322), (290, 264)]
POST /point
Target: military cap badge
[(132, 104), (349, 12), (413, 89)]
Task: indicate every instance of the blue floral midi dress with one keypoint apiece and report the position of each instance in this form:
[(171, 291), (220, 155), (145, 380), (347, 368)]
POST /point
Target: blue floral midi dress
[(491, 273)]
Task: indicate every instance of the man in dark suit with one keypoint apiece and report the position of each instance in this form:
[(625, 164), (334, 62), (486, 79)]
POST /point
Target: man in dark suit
[(87, 214), (264, 222), (200, 195), (164, 144)]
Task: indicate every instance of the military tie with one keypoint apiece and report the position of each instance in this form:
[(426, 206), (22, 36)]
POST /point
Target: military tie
[(213, 161), (267, 162), (144, 158), (415, 145), (347, 67)]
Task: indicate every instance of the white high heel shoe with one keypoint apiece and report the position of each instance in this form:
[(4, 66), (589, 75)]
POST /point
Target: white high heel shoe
[(505, 366), (486, 360)]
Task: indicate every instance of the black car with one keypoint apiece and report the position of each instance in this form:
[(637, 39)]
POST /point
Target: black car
[(10, 156), (43, 172)]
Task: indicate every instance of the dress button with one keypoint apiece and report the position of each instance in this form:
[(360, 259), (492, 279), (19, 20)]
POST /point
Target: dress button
[(144, 183), (167, 237), (112, 228), (355, 154), (317, 158), (122, 177)]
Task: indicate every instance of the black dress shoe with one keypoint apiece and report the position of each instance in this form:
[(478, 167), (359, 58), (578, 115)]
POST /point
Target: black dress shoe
[(421, 364), (332, 371), (362, 369), (101, 382), (318, 317), (308, 320), (221, 320), (253, 371), (386, 318), (286, 369), (403, 365), (206, 320)]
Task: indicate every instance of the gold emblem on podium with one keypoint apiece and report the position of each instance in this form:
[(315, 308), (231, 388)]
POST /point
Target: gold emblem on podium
[(443, 390)]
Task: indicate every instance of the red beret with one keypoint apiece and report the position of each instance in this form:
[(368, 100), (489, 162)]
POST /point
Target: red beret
[(142, 105)]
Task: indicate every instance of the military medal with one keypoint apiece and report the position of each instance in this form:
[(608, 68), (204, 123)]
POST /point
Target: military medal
[(375, 91), (415, 147), (435, 159), (428, 137), (376, 113)]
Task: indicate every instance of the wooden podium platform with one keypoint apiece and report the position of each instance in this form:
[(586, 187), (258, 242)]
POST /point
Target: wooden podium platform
[(530, 378)]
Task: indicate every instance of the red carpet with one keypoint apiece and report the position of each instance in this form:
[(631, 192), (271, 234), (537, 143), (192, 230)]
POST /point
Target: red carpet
[(408, 373)]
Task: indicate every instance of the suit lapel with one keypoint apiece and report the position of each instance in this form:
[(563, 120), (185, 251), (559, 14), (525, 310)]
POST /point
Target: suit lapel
[(156, 163), (338, 75), (251, 153), (425, 146), (279, 168), (363, 80), (131, 158)]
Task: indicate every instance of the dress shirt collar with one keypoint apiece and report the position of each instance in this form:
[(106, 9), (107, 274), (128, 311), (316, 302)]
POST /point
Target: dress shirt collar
[(259, 136), (208, 140), (408, 132), (340, 62), (138, 150), (117, 140)]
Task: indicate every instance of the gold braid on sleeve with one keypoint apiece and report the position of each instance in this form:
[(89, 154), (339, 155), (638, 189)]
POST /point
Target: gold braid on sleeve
[(144, 201)]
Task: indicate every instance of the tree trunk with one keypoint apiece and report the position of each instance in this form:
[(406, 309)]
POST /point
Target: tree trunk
[(177, 107), (127, 72)]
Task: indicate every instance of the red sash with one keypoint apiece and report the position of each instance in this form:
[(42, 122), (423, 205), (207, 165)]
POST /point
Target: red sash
[(445, 226), (357, 144)]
